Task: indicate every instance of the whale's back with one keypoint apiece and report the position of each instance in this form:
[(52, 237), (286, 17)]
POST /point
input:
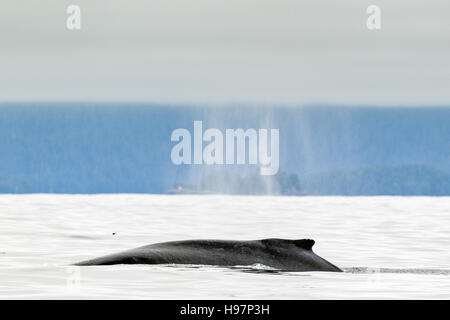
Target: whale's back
[(285, 254)]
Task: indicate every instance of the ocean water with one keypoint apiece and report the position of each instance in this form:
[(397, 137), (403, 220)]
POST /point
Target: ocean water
[(389, 247)]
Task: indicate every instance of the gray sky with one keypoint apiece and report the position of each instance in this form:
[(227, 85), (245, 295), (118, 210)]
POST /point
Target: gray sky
[(211, 51)]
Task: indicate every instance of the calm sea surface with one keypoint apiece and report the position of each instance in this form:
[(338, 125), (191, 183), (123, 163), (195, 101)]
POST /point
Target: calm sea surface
[(390, 247)]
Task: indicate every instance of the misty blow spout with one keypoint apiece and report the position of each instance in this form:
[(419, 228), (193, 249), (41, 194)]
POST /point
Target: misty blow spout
[(231, 150)]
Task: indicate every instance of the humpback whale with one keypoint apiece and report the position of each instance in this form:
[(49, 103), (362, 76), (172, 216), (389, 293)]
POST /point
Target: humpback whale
[(282, 254)]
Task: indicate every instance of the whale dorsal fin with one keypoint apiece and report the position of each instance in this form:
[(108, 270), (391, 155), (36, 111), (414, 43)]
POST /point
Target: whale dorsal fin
[(306, 244)]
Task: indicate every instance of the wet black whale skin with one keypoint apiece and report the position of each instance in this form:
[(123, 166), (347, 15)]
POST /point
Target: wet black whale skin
[(282, 254)]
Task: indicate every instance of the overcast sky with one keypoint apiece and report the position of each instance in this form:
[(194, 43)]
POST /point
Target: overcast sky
[(211, 51)]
